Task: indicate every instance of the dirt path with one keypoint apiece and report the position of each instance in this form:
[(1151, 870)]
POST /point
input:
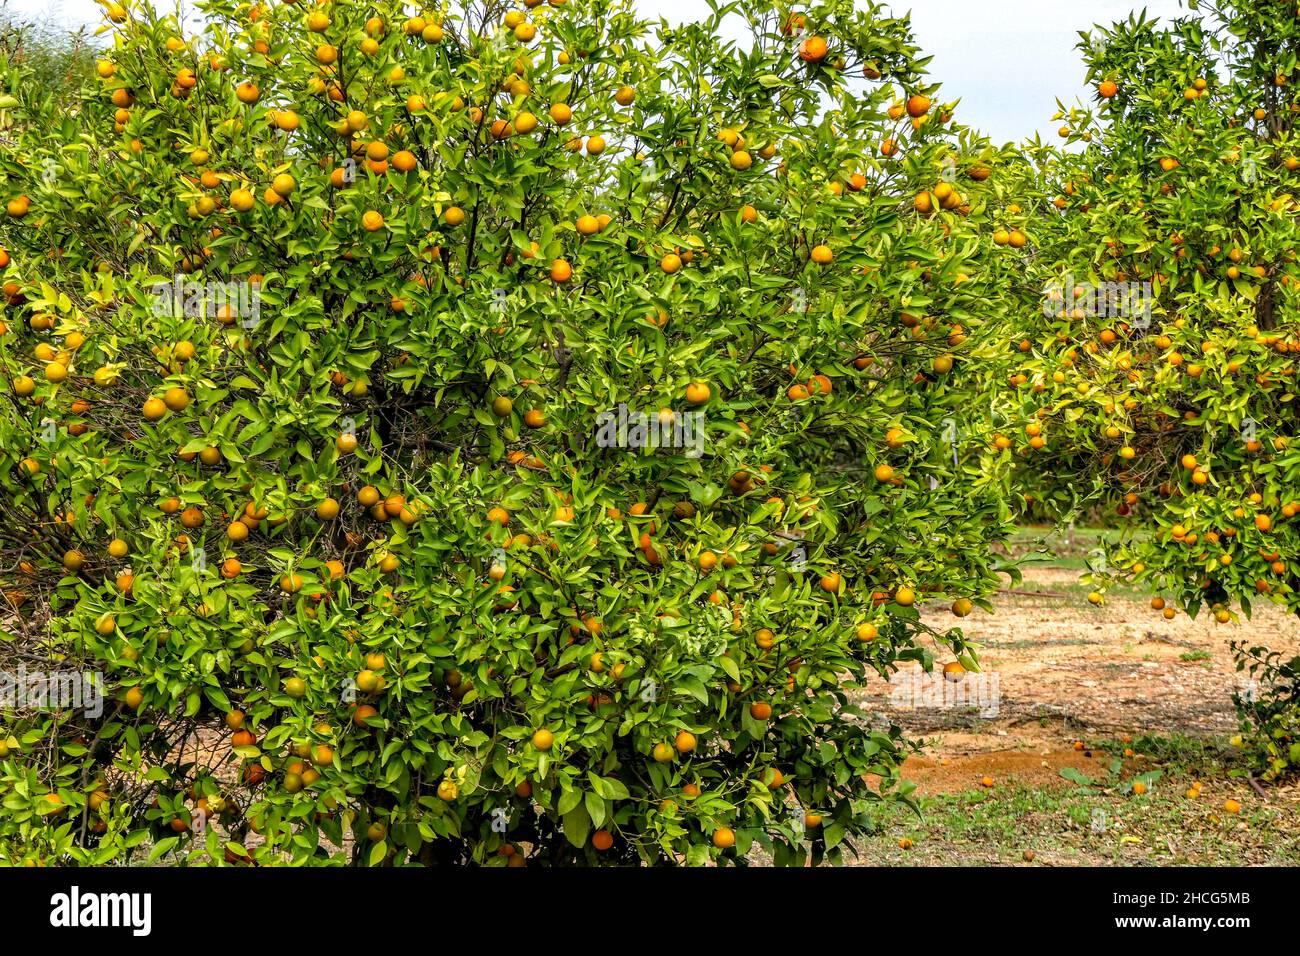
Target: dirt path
[(1057, 670)]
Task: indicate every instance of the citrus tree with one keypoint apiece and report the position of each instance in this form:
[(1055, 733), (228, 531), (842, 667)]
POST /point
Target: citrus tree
[(1155, 375), (502, 434)]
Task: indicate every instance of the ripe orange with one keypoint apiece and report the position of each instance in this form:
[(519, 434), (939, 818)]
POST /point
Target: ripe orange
[(561, 271), (362, 714), (697, 393), (822, 255), (724, 838), (176, 399), (813, 49), (1108, 88), (602, 840), (543, 739), (918, 105), (372, 221)]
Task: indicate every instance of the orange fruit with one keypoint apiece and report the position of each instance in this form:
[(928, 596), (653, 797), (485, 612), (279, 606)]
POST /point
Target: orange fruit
[(697, 393), (918, 106), (813, 49)]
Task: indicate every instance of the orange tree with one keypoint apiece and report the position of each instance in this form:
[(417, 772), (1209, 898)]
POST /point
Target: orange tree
[(313, 319), (1155, 369)]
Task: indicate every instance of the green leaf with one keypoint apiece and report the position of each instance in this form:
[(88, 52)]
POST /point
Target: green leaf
[(577, 825)]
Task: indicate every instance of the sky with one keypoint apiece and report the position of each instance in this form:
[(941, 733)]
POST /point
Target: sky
[(1008, 60)]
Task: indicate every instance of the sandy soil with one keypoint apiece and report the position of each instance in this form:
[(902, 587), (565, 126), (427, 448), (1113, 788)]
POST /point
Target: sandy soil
[(1060, 670)]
